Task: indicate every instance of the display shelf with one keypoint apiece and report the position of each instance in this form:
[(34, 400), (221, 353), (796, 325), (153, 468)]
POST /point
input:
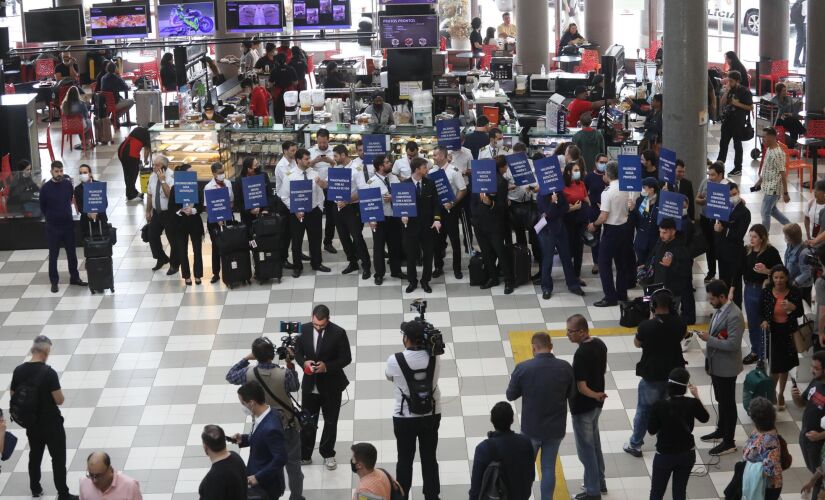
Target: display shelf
[(196, 146), (263, 143)]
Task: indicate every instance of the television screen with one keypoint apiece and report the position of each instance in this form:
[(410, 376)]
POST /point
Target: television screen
[(408, 32), (126, 20), (321, 14), (254, 16), (406, 2), (53, 25), (186, 18)]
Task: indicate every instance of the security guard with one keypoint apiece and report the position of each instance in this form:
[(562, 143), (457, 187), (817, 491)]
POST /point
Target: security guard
[(450, 215)]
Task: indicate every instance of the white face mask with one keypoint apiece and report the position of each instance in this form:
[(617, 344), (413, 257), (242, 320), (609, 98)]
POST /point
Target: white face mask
[(601, 167), (822, 423), (220, 177), (734, 200), (577, 175), (500, 143), (246, 411), (84, 177), (684, 212)]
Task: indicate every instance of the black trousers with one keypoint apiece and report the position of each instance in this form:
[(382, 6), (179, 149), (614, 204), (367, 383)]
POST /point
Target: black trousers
[(449, 228), (418, 240), (468, 227), (330, 210), (574, 227), (214, 229), (425, 431), (329, 405), (131, 170), (286, 240), (707, 231), (729, 273), (724, 391), (801, 42), (794, 128), (387, 235), (312, 226), (350, 227), (491, 243), (53, 436), (731, 131), (62, 235), (197, 253), (677, 464), (164, 222)]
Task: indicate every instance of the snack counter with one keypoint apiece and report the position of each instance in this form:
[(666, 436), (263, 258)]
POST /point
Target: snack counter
[(263, 143), (197, 146)]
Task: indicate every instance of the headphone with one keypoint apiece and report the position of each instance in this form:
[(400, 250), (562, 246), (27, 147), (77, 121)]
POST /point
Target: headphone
[(663, 295)]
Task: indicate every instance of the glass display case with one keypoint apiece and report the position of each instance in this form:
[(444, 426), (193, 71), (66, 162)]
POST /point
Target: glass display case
[(545, 141), (263, 143), (339, 133), (197, 146)]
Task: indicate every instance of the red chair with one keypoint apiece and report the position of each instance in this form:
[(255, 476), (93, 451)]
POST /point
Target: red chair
[(9, 87), (48, 143), (44, 68), (650, 53), (72, 125), (54, 107), (111, 109), (487, 58), (799, 166), (780, 135), (816, 128), (779, 70), (591, 61)]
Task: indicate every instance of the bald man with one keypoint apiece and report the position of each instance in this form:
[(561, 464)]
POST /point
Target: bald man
[(102, 482)]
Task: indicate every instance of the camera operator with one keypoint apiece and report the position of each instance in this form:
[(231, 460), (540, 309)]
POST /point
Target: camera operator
[(277, 382), (417, 413), (323, 350)]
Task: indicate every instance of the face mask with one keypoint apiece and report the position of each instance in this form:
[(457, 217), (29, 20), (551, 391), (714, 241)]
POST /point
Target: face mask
[(500, 143), (246, 411), (645, 194), (601, 167), (84, 177), (684, 212), (220, 177), (27, 173), (352, 466), (734, 200), (822, 422), (577, 175)]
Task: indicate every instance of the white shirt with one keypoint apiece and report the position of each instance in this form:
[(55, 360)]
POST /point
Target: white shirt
[(454, 177), (489, 152), (323, 166), (417, 360), (298, 175), (520, 193), (213, 184), (614, 202), (258, 419), (378, 181), (282, 169), (401, 168), (358, 163), (461, 159), (169, 175)]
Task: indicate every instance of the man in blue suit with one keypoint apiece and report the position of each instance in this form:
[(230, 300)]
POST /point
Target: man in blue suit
[(267, 453)]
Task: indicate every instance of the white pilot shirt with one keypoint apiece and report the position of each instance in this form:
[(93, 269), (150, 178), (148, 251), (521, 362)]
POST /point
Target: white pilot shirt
[(461, 158), (378, 181), (401, 168), (282, 169), (614, 202), (358, 163), (455, 178), (321, 167), (298, 175)]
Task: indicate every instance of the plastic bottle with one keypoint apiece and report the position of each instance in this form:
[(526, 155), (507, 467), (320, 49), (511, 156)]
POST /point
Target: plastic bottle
[(543, 70)]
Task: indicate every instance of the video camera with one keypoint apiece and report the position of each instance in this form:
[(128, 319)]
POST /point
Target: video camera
[(433, 338), (290, 328)]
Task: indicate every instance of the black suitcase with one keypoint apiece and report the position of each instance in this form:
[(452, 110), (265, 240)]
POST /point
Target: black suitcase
[(100, 244), (478, 275), (265, 243), (100, 274), (236, 268), (233, 239), (268, 225), (522, 264), (267, 266)]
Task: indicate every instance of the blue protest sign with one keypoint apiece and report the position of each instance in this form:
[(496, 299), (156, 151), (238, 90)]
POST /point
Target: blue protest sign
[(483, 177), (371, 204), (667, 166), (549, 174), (442, 185), (186, 188), (449, 133), (300, 196), (630, 173), (403, 199), (254, 191), (218, 204), (520, 169), (374, 145), (670, 207), (718, 199), (340, 184), (94, 197)]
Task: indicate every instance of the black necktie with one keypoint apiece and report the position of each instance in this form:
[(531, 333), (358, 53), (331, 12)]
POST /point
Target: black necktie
[(418, 188), (387, 183), (366, 173), (305, 175), (318, 345)]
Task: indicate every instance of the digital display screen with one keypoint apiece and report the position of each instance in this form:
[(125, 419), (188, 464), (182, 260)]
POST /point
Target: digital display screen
[(186, 18), (408, 32), (53, 25), (406, 2), (119, 20), (321, 14), (242, 17)]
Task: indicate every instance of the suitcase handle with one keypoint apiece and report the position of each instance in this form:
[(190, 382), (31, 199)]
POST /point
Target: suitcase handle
[(99, 226)]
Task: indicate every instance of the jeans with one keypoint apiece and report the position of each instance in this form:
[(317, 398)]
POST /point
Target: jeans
[(680, 465), (752, 299), (649, 393), (589, 449), (425, 431), (769, 209), (53, 436), (550, 240), (549, 450)]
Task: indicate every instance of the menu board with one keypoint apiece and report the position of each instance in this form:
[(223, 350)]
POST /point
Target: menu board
[(408, 32), (321, 14), (254, 16)]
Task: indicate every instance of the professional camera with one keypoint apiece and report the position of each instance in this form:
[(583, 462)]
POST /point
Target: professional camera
[(433, 339), (290, 328)]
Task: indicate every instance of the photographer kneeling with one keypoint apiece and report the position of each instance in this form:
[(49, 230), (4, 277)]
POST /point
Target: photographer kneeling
[(417, 413), (277, 382)]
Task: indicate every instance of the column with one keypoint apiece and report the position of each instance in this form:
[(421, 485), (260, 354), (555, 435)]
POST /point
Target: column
[(533, 40), (224, 49), (773, 31), (685, 81), (598, 23), (815, 68)]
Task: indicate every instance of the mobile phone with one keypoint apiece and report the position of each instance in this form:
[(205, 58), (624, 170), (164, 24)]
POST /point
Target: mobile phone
[(793, 381), (230, 440)]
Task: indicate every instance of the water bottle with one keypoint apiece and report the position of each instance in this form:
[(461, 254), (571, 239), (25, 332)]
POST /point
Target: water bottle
[(543, 71)]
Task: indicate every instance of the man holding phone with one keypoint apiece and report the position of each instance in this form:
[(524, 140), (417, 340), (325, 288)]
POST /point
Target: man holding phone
[(811, 433)]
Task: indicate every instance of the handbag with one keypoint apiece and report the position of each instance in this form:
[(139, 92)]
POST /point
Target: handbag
[(144, 233), (747, 132), (785, 457), (588, 238), (305, 419), (804, 335)]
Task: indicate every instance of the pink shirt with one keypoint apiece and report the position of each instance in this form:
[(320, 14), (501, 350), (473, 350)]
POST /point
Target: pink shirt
[(123, 488)]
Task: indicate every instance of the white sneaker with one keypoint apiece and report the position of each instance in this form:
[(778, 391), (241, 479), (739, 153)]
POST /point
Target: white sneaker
[(330, 463)]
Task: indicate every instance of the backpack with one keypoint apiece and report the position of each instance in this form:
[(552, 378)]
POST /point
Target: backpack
[(493, 486), (796, 13), (421, 399), (25, 402), (396, 491)]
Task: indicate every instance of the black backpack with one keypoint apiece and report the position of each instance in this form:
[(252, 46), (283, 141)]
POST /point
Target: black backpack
[(421, 400), (25, 402), (396, 491), (796, 13), (493, 486)]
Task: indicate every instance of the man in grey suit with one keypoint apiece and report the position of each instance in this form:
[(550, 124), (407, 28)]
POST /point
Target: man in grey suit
[(723, 362)]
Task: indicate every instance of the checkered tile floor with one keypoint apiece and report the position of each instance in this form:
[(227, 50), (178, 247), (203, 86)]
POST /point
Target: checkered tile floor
[(143, 369)]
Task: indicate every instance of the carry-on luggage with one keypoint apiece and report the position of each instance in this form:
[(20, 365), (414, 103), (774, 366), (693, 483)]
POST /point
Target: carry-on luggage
[(758, 382), (103, 130), (522, 264), (236, 268), (149, 107), (100, 243), (267, 266), (478, 275), (233, 239), (100, 274)]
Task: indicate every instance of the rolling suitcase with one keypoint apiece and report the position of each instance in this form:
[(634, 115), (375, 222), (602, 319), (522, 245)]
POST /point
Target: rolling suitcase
[(236, 268), (267, 266), (103, 130), (478, 275), (522, 263), (149, 107), (233, 239), (100, 274)]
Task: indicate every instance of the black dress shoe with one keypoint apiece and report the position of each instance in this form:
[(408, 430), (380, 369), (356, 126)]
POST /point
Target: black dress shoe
[(546, 295), (322, 268), (489, 284), (160, 263), (329, 248), (78, 282), (296, 273), (577, 291), (426, 287), (459, 275), (411, 287), (54, 288), (215, 279), (172, 271), (379, 280), (605, 303), (305, 257), (438, 272), (366, 274), (352, 267), (508, 289), (736, 171), (713, 436), (750, 359), (536, 276), (287, 265), (401, 276)]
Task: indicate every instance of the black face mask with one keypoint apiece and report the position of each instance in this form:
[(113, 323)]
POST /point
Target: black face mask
[(354, 469)]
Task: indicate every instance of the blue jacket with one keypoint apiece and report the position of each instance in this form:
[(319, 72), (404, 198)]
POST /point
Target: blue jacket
[(267, 454), (56, 201), (515, 452), (546, 383)]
